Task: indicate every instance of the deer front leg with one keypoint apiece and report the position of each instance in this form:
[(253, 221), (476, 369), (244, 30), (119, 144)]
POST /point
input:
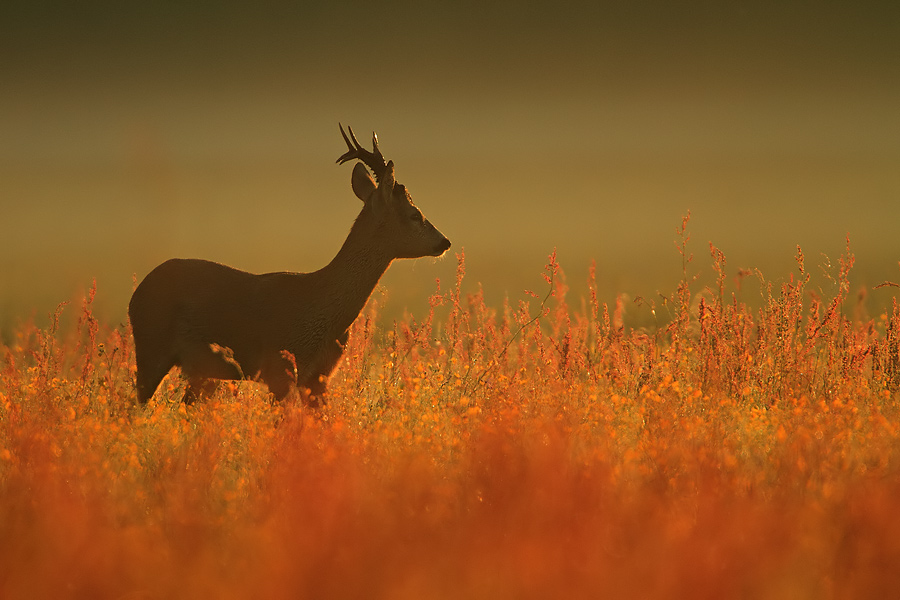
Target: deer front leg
[(199, 387), (312, 377), (279, 375)]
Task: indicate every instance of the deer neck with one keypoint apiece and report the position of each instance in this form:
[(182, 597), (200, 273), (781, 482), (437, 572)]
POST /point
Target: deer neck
[(349, 279)]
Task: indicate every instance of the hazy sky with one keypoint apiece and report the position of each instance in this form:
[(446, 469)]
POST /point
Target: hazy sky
[(129, 135)]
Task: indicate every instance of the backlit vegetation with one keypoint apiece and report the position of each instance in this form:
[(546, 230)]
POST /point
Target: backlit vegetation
[(530, 450)]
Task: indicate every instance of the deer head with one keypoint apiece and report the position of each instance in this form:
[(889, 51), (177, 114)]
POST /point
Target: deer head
[(404, 230)]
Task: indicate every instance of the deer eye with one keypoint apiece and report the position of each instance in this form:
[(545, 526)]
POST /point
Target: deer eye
[(417, 217)]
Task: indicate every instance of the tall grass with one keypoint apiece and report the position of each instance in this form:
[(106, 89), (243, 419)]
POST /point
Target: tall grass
[(529, 450)]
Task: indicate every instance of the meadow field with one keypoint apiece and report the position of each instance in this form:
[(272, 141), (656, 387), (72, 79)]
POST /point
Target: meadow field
[(727, 446)]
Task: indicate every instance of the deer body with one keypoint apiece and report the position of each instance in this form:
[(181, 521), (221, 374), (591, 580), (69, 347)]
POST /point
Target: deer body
[(217, 322)]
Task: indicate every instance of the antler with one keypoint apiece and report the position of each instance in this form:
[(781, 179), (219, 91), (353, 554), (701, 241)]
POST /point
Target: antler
[(373, 160)]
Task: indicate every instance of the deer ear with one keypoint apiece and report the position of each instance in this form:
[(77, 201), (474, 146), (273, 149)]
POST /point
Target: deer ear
[(386, 186), (362, 182)]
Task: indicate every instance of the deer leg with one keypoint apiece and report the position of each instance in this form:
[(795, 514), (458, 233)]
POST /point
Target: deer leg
[(278, 375), (315, 382), (314, 395), (313, 400), (279, 387), (149, 376), (199, 387)]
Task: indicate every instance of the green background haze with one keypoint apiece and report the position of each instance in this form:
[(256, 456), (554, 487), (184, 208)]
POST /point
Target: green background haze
[(134, 132)]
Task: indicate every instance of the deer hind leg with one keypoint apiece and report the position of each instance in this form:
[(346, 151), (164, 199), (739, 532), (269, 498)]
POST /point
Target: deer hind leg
[(149, 375), (202, 365)]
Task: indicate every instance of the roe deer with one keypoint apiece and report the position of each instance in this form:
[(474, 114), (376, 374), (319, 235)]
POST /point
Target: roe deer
[(216, 322)]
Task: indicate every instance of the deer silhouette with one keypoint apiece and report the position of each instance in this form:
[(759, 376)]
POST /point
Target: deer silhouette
[(284, 329)]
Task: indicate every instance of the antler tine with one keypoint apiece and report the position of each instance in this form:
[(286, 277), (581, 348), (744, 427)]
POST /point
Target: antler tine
[(373, 160), (352, 150)]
